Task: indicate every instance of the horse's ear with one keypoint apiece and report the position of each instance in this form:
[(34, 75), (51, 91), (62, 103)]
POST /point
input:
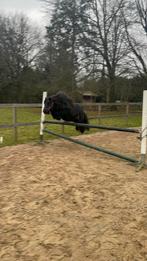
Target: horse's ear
[(53, 99)]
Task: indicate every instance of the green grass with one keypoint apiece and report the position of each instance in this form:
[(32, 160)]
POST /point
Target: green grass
[(31, 133)]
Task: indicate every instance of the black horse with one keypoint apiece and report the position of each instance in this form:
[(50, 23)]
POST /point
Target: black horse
[(62, 107)]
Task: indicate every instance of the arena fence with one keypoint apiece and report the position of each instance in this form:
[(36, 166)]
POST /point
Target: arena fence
[(101, 112), (143, 133)]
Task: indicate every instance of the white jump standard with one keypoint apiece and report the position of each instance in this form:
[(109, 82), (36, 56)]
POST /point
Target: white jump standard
[(42, 117), (144, 129)]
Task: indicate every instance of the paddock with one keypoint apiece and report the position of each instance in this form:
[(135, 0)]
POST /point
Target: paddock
[(62, 201)]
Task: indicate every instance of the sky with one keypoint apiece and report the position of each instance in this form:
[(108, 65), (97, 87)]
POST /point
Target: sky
[(33, 8)]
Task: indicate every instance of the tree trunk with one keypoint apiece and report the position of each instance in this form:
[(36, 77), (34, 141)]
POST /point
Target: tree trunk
[(110, 92)]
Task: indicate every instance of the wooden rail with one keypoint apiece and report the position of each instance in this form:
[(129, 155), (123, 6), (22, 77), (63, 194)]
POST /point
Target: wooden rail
[(97, 107)]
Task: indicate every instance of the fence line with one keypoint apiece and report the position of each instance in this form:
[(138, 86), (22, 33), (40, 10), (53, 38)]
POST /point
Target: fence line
[(97, 107), (20, 105)]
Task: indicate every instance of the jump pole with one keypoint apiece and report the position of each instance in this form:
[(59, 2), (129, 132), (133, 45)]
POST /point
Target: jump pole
[(92, 126), (100, 149), (42, 116), (144, 129)]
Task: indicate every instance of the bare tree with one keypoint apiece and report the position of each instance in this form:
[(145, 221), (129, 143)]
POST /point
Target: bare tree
[(105, 37), (142, 13), (135, 21)]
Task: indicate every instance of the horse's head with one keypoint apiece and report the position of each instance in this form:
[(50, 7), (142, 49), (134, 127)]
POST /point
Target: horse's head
[(48, 104)]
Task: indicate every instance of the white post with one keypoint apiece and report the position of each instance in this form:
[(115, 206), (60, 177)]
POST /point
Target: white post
[(42, 116), (144, 128)]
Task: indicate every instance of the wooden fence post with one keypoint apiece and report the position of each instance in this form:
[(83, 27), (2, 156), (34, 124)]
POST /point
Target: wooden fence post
[(127, 113), (99, 113), (14, 111), (62, 129)]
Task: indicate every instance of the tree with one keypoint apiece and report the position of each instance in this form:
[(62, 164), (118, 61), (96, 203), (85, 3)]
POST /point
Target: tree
[(142, 13), (96, 41), (135, 20), (20, 45), (62, 44), (104, 40)]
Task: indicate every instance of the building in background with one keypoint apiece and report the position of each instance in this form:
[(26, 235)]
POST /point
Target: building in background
[(91, 97)]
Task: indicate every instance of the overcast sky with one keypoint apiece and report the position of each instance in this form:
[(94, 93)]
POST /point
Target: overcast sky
[(33, 8)]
